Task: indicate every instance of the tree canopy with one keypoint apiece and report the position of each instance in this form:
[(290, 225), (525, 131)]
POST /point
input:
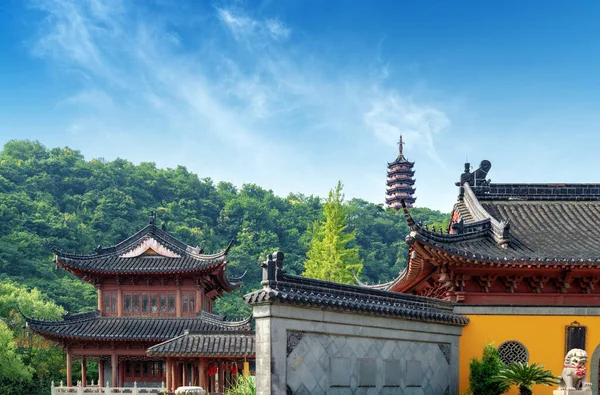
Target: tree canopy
[(333, 254), (55, 196)]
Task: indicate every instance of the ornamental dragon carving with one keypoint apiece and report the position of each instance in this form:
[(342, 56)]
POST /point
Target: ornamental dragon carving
[(574, 372)]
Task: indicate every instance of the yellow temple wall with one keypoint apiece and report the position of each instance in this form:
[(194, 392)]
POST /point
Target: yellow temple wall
[(543, 335)]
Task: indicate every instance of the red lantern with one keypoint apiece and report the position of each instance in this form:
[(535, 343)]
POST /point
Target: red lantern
[(234, 369)]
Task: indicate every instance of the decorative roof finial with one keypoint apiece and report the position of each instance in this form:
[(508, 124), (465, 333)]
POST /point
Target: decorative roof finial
[(152, 218), (400, 144)]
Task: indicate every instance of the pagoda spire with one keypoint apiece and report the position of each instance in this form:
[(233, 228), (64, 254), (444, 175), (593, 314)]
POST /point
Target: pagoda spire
[(400, 180), (400, 145)]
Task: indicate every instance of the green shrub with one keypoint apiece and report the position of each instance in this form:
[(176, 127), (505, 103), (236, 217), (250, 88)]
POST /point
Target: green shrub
[(525, 376), (244, 386), (483, 374)]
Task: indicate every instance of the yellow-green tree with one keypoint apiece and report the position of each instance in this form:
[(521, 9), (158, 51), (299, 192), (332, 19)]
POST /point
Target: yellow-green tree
[(330, 256)]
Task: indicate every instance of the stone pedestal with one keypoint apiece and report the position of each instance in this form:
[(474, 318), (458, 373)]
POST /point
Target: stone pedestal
[(587, 391), (190, 391)]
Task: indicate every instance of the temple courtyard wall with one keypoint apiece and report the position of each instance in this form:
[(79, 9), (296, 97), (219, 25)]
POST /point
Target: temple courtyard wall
[(540, 330), (301, 350)]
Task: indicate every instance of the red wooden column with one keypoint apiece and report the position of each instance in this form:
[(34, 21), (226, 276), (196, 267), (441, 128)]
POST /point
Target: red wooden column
[(168, 374), (194, 370), (222, 377), (173, 375), (120, 302), (69, 368), (122, 374), (184, 373), (83, 372), (202, 374), (100, 373), (113, 365), (178, 303)]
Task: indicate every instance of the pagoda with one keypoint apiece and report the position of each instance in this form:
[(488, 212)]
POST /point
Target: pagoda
[(400, 181), (154, 321)]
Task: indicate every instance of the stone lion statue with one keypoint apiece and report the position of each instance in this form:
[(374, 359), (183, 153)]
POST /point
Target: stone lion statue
[(574, 371)]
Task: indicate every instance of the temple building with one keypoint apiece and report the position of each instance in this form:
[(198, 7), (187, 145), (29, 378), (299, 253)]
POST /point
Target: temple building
[(522, 262), (154, 323), (400, 180)]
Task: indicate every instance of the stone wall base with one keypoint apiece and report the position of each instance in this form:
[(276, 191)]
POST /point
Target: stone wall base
[(586, 391)]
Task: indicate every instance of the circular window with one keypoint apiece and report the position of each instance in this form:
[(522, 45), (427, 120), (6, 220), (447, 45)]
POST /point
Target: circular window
[(513, 351)]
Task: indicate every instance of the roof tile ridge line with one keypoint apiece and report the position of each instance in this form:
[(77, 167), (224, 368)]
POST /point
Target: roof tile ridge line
[(209, 318), (357, 291), (518, 259), (385, 286), (169, 238), (437, 236), (221, 333), (77, 317), (114, 249), (500, 229), (220, 254), (167, 341), (236, 324)]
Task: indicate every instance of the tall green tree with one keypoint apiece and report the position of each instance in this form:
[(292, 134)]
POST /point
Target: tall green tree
[(333, 255)]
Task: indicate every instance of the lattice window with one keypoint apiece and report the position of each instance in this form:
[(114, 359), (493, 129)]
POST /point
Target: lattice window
[(513, 351)]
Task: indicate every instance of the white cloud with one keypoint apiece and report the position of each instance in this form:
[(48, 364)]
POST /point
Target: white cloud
[(391, 114), (244, 27)]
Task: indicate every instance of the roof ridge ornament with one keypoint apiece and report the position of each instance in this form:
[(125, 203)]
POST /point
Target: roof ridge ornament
[(273, 268), (152, 218), (476, 178)]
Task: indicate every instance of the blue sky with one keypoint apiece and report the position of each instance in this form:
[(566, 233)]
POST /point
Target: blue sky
[(294, 95)]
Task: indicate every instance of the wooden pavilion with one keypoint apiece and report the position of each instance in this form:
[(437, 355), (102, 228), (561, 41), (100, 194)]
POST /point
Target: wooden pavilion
[(154, 321)]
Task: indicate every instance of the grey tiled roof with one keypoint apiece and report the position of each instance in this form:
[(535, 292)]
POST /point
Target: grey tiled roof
[(541, 223), (94, 326), (279, 287), (109, 260), (143, 264), (239, 344)]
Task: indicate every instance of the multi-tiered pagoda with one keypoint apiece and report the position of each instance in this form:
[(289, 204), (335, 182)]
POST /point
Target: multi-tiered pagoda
[(154, 321), (400, 181)]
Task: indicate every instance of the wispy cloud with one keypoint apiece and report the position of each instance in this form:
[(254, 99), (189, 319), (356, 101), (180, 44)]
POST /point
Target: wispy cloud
[(392, 114), (244, 27), (247, 92)]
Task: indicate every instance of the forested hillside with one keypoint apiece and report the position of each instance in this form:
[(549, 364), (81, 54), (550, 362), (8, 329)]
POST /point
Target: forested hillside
[(58, 197)]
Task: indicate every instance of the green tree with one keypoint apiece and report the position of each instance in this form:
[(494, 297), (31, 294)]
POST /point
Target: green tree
[(13, 373), (39, 360), (331, 256), (525, 376), (483, 373)]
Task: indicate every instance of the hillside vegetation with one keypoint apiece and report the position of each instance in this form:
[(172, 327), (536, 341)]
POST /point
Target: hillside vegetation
[(57, 197)]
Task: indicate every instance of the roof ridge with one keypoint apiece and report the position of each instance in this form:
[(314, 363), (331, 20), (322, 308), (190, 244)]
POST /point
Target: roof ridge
[(499, 229), (478, 229), (358, 292), (150, 230)]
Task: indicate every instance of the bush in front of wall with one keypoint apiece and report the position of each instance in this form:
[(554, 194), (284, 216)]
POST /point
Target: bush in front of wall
[(483, 376)]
